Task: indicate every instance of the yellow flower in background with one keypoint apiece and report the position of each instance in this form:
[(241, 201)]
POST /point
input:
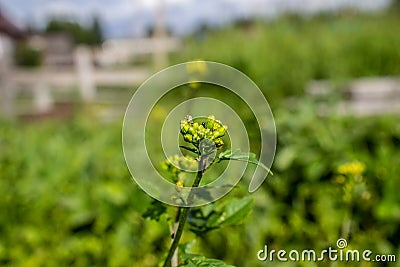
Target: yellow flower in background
[(366, 195), (194, 84), (350, 176), (354, 168), (340, 179), (179, 184), (196, 69)]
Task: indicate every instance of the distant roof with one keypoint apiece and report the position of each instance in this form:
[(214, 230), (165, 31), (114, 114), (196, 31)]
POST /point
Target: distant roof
[(9, 28)]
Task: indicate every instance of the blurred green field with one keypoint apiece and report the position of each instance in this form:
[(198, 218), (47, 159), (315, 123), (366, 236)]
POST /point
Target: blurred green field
[(67, 198), (283, 55)]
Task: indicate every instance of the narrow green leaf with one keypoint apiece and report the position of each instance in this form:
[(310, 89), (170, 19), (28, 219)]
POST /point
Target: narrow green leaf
[(191, 149), (242, 156)]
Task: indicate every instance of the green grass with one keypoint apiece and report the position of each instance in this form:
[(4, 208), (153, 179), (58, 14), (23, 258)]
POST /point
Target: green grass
[(281, 56), (68, 199)]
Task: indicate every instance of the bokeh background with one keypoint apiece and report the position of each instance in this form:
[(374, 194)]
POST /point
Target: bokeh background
[(329, 69)]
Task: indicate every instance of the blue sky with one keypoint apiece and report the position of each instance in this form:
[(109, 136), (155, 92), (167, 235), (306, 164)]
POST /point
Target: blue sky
[(132, 17)]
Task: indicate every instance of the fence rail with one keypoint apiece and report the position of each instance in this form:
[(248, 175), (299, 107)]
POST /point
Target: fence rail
[(83, 77), (360, 97)]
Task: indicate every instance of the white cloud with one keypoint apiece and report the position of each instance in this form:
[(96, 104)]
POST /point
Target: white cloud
[(62, 8)]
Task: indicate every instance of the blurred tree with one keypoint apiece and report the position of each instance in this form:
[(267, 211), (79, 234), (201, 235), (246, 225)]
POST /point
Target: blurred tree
[(396, 5), (81, 35), (27, 55), (97, 33)]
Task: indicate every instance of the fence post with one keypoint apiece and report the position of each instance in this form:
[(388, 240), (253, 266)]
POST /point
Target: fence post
[(160, 56), (7, 86), (42, 97), (7, 95), (85, 69)]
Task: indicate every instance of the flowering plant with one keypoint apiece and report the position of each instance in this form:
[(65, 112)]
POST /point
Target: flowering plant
[(205, 140)]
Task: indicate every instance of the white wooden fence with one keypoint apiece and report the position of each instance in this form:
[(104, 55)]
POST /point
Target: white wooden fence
[(43, 82), (83, 76), (360, 97)]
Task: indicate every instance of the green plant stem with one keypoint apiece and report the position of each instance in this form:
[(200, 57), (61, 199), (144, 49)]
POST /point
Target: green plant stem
[(347, 222), (175, 257), (184, 212)]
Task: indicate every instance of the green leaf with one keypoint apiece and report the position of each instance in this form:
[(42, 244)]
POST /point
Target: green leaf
[(231, 213), (191, 264), (204, 219), (198, 219), (191, 149), (186, 247), (155, 211), (242, 156), (190, 260), (204, 194)]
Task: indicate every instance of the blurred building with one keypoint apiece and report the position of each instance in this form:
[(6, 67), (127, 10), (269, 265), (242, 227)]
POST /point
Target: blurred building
[(57, 48), (131, 50), (9, 33), (8, 28)]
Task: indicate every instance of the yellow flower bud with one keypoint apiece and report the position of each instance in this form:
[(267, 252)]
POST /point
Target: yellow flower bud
[(185, 128), (188, 137), (222, 130), (209, 124)]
